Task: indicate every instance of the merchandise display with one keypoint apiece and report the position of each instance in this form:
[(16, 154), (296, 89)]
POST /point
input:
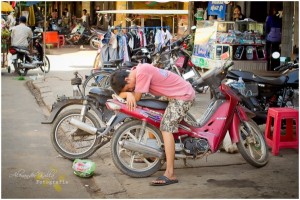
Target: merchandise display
[(242, 40)]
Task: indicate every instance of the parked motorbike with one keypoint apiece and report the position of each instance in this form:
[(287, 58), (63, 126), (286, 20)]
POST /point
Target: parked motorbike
[(68, 140), (23, 60), (260, 93), (83, 35), (140, 138)]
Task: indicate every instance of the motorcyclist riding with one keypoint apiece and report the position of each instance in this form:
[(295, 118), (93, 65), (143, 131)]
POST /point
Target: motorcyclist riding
[(21, 33)]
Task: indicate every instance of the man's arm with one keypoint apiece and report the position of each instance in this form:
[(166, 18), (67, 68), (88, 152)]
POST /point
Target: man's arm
[(136, 95), (131, 98)]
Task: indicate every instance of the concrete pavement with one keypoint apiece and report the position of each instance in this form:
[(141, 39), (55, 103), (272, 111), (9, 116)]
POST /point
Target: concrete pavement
[(220, 175)]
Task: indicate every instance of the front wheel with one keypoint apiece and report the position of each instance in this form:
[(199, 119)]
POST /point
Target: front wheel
[(133, 163), (252, 144), (94, 42), (46, 66), (71, 142)]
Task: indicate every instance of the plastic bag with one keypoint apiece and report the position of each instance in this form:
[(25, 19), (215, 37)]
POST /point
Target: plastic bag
[(84, 168)]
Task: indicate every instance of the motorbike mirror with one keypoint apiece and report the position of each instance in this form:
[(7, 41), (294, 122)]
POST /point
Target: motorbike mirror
[(275, 55), (193, 27)]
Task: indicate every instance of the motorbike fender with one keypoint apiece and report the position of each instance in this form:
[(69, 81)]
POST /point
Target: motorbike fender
[(242, 114), (58, 106)]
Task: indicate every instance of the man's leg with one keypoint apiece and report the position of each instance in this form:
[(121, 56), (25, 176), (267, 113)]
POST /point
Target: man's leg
[(169, 144)]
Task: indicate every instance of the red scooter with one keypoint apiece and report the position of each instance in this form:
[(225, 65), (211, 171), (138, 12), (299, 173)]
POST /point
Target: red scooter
[(137, 145)]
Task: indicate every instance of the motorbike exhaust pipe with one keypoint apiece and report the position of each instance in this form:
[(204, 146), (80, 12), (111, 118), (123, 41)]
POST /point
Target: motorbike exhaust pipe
[(28, 65), (147, 151), (83, 126)]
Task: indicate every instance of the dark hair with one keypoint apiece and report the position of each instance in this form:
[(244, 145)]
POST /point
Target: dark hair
[(117, 80), (22, 19), (66, 9), (84, 10), (238, 7)]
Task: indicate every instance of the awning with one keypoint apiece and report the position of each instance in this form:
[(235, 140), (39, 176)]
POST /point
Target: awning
[(146, 12)]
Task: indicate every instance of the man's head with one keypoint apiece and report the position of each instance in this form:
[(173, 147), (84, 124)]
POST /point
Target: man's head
[(66, 9), (122, 81), (84, 11), (22, 19)]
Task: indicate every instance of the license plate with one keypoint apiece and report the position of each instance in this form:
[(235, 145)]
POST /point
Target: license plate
[(188, 75), (13, 57)]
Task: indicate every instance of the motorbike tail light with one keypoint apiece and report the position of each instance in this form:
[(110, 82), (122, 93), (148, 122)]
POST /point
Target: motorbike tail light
[(12, 51), (112, 106), (184, 45)]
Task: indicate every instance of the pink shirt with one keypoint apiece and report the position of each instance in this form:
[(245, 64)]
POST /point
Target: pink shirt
[(160, 82)]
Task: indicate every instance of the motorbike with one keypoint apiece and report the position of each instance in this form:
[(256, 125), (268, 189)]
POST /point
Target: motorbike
[(83, 35), (260, 92), (77, 143), (140, 138), (68, 140), (23, 60)]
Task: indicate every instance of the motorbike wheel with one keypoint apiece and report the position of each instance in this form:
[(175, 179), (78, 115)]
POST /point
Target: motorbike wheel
[(96, 61), (98, 79), (252, 144), (46, 66), (126, 160), (20, 71), (93, 44), (69, 141)]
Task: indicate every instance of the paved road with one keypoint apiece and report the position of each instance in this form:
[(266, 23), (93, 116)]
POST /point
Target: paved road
[(221, 175)]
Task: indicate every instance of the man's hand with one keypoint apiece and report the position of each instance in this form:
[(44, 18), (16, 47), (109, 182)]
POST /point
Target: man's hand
[(131, 102)]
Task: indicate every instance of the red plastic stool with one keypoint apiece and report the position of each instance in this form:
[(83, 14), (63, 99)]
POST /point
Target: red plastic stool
[(61, 39), (277, 141)]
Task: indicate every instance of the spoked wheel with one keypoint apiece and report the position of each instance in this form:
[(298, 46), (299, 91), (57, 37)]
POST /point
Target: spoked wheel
[(252, 144), (94, 42), (97, 79), (46, 65), (133, 163), (71, 142)]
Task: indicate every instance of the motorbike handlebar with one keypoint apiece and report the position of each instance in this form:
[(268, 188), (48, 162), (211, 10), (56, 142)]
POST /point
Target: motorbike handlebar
[(139, 57), (211, 72)]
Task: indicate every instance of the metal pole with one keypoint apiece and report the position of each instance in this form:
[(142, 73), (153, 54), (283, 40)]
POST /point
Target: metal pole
[(44, 40)]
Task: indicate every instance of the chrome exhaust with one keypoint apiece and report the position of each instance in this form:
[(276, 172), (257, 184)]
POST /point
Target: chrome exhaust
[(147, 151), (83, 126)]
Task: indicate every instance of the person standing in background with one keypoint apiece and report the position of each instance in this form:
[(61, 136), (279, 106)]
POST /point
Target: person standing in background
[(96, 20), (273, 36), (54, 14), (11, 20), (237, 13), (84, 17), (68, 16)]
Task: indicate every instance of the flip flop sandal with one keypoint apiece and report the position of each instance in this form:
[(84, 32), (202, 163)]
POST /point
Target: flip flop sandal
[(166, 180)]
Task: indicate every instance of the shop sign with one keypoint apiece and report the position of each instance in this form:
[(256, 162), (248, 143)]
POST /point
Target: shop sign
[(217, 8)]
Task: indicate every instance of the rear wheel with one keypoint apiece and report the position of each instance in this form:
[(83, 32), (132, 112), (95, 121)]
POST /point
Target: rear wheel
[(252, 144), (71, 142), (133, 163), (20, 71)]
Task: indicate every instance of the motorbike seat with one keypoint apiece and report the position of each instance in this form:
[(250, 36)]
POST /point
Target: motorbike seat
[(20, 47), (153, 103), (101, 92), (250, 76), (114, 62)]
